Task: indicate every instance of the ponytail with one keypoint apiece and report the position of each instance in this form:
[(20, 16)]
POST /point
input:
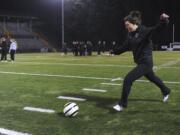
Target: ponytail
[(134, 17)]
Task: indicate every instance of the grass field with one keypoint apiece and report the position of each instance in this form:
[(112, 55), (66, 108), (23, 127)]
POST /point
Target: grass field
[(36, 80)]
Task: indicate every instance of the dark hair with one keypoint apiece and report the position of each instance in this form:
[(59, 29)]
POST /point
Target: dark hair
[(134, 17)]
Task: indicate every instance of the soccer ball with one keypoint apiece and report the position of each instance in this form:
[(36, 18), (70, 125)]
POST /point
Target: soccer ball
[(70, 109)]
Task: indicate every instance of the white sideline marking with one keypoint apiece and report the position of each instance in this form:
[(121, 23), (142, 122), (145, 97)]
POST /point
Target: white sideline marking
[(95, 90), (93, 65), (72, 64), (170, 63), (45, 58), (11, 132), (171, 82), (111, 84), (49, 75), (145, 81), (155, 67), (78, 77), (71, 98), (33, 109)]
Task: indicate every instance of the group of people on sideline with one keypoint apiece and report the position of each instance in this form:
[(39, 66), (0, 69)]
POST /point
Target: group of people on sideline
[(85, 48), (8, 45)]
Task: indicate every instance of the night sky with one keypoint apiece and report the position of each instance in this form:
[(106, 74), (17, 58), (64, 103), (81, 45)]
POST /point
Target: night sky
[(49, 10), (38, 8)]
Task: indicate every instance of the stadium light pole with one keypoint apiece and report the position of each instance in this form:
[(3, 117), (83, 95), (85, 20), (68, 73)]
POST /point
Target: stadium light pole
[(62, 23)]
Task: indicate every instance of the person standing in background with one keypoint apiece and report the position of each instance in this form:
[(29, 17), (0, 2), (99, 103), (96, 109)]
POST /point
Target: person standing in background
[(4, 49), (99, 47), (12, 49)]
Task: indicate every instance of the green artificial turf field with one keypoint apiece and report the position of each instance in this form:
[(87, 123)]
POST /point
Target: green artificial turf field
[(36, 80)]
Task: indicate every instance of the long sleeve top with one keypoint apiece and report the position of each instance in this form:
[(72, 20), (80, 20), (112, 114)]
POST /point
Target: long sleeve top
[(13, 46), (140, 43)]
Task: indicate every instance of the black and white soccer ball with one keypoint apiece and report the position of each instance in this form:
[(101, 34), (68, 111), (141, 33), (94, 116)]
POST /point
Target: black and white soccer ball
[(71, 109)]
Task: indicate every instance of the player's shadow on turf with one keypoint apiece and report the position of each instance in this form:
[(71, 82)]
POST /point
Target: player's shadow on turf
[(60, 114), (154, 111), (102, 102), (107, 102), (144, 100)]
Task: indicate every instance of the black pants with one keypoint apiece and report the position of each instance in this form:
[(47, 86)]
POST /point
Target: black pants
[(139, 71), (12, 53), (4, 55)]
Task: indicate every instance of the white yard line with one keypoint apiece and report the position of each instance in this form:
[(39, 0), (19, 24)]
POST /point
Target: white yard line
[(167, 64), (77, 77), (71, 98), (11, 132), (111, 84), (94, 90), (33, 109)]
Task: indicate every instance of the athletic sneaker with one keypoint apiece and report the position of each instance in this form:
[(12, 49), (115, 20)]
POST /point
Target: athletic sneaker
[(165, 98), (118, 108)]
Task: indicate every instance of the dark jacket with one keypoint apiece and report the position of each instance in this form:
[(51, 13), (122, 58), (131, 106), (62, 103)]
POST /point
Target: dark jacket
[(4, 46), (139, 42)]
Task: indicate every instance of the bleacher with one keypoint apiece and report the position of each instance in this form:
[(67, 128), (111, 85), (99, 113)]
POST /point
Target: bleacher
[(30, 45), (15, 29), (27, 40)]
